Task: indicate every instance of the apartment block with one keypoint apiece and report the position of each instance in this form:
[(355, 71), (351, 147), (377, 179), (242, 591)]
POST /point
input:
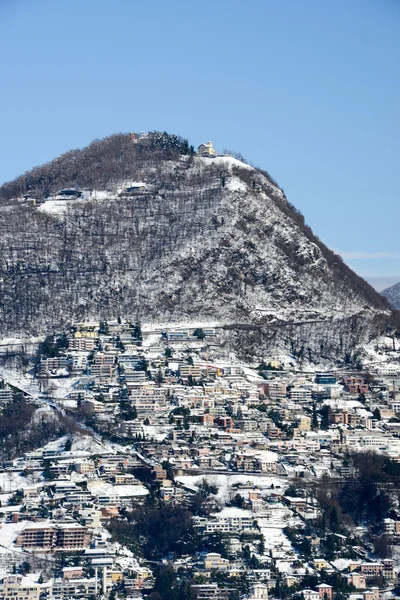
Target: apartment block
[(53, 536)]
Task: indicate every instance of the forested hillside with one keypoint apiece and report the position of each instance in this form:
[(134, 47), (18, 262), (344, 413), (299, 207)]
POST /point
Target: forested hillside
[(199, 239), (393, 295)]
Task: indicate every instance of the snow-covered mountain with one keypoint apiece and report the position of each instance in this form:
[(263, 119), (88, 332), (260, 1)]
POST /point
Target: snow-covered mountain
[(392, 293), (157, 232)]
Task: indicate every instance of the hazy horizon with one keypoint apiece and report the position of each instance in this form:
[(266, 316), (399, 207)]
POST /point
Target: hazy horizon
[(381, 282)]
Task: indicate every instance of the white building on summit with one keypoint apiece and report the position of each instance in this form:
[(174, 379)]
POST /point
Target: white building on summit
[(206, 149)]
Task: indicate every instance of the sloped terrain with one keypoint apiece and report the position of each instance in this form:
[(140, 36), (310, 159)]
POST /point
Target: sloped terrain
[(392, 294), (206, 239)]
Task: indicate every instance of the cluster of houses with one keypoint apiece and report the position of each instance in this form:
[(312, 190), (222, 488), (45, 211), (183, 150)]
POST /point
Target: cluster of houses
[(169, 402)]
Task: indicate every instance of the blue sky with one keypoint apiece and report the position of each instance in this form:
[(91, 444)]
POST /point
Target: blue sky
[(307, 89)]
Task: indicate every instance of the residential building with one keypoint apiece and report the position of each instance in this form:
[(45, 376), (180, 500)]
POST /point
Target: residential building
[(206, 150), (53, 536), (356, 385), (275, 389), (16, 587), (213, 560)]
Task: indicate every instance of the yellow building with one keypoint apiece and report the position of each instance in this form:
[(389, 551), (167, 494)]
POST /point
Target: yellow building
[(87, 333), (319, 564), (304, 423), (206, 149), (213, 560), (236, 571), (275, 364), (144, 573)]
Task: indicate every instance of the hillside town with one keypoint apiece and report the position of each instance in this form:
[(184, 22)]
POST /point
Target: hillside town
[(184, 473)]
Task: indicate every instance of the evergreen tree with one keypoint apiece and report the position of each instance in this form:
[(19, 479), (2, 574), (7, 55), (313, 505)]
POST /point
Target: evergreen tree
[(377, 414), (334, 520), (315, 417), (137, 331), (325, 417), (103, 328), (199, 333)]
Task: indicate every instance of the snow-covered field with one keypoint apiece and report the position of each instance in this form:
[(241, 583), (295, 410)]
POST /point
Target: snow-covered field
[(271, 526), (156, 433), (81, 443), (10, 481), (58, 205), (101, 488), (8, 534), (226, 484), (54, 207), (23, 381)]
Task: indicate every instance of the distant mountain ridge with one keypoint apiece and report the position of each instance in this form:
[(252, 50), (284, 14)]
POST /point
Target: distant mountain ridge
[(392, 293), (168, 236)]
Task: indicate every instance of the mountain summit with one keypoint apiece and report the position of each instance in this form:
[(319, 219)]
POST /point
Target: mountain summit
[(392, 293), (141, 226)]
